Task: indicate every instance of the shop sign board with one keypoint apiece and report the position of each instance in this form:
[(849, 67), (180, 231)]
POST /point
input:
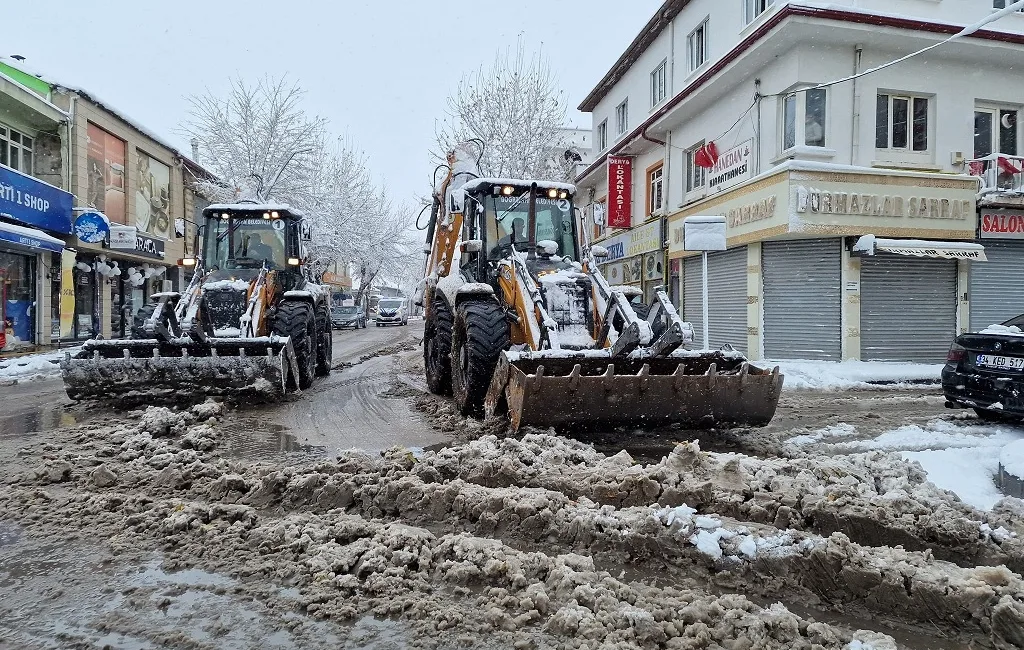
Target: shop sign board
[(123, 237), (91, 227), (1002, 225), (637, 241), (149, 246), (732, 168), (620, 191), (35, 203)]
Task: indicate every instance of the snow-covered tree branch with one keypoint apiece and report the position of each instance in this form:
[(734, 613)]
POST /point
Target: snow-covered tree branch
[(517, 109)]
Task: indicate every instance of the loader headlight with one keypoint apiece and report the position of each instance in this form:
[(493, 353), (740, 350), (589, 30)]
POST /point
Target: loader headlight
[(187, 261), (508, 190), (563, 194), (293, 261), (552, 193)]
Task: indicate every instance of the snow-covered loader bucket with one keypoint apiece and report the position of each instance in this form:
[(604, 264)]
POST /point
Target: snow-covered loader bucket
[(592, 390), (180, 370)]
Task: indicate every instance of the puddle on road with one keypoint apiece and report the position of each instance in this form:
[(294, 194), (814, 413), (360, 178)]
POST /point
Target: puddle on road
[(45, 418), (257, 440)]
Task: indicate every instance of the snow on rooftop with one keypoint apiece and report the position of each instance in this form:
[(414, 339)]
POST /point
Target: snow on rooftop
[(93, 97), (253, 207)]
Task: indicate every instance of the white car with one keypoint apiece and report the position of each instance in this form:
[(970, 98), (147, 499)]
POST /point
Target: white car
[(391, 311)]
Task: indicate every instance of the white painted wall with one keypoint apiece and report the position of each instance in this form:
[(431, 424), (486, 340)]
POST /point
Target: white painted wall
[(955, 77)]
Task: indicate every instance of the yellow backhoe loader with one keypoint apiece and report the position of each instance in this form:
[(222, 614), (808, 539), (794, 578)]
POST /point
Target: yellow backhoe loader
[(520, 320), (252, 323)]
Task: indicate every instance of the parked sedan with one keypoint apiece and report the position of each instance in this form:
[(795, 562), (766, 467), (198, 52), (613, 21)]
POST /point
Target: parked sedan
[(985, 371), (342, 317)]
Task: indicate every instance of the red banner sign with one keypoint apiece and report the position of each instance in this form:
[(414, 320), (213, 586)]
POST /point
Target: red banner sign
[(620, 190), (1005, 225)]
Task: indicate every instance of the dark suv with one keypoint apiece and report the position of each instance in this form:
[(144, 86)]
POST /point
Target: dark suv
[(342, 317), (985, 371)]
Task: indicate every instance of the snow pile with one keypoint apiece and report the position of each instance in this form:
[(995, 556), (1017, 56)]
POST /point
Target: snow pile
[(961, 458), (1002, 330), (1011, 457), (34, 366), (832, 375)]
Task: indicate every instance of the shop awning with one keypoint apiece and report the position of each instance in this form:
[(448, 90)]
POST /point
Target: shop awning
[(948, 250), (31, 238)]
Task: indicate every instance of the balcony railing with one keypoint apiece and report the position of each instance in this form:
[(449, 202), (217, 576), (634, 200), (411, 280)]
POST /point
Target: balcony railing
[(998, 172)]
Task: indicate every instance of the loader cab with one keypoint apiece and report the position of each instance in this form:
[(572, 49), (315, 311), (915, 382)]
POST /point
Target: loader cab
[(239, 239), (498, 214)]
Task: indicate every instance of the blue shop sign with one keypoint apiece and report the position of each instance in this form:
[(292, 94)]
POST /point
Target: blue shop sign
[(91, 227), (35, 203)]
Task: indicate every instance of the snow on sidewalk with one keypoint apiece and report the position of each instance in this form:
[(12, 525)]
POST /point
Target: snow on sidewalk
[(839, 375), (34, 366), (960, 456)]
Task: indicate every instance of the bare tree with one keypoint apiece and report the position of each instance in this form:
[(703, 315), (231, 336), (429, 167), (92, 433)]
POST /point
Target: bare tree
[(258, 141), (516, 109)]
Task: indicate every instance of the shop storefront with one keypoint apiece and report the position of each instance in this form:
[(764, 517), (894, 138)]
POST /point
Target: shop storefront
[(33, 215), (997, 286), (792, 285), (130, 281), (727, 298), (636, 258)]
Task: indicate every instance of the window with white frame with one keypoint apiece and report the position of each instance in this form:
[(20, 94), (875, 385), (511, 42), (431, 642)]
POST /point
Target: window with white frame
[(1003, 4), (754, 8), (659, 86), (695, 174), (803, 118), (655, 190), (697, 46), (602, 135), (901, 122), (622, 117), (15, 149), (995, 131)]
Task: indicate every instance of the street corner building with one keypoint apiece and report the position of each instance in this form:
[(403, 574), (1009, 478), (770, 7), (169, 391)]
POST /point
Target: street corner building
[(871, 214), (109, 207)]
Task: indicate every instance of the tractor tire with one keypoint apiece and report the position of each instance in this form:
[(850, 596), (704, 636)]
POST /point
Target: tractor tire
[(325, 341), (437, 347), (479, 335), (295, 319)]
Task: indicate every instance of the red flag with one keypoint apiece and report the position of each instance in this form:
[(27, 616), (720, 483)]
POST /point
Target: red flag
[(1009, 166), (706, 156)]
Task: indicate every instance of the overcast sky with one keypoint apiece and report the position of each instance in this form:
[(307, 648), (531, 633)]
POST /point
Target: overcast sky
[(378, 71)]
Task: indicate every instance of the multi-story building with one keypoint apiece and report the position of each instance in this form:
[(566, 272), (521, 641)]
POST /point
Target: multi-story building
[(812, 150), (35, 212), (144, 190)]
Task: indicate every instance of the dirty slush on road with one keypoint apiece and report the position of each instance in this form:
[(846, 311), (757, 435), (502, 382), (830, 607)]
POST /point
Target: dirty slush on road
[(138, 531)]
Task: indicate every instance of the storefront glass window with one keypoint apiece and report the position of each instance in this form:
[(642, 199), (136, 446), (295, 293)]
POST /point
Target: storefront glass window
[(86, 324), (18, 291)]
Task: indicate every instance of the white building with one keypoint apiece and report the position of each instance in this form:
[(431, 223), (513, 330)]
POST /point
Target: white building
[(804, 171)]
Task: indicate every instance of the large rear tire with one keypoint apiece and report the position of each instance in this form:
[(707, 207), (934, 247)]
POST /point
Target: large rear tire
[(437, 347), (325, 341), (479, 335), (295, 319)]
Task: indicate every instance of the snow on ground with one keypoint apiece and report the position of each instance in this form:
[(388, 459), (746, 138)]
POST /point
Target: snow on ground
[(1012, 458), (832, 375), (960, 456), (33, 366)]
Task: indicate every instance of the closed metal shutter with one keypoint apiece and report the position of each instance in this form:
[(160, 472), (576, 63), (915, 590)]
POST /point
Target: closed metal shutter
[(908, 308), (997, 286), (803, 299), (727, 298)]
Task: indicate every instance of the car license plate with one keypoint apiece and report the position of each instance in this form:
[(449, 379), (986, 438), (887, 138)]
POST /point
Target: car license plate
[(993, 361)]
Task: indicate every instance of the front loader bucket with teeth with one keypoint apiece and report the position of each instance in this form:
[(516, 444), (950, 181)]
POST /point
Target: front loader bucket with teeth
[(131, 372), (592, 389)]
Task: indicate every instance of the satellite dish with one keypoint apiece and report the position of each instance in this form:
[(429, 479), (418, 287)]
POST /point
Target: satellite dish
[(1008, 119), (572, 156)]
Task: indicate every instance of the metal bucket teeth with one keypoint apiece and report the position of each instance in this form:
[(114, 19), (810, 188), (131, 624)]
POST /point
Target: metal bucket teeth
[(590, 392), (147, 371)]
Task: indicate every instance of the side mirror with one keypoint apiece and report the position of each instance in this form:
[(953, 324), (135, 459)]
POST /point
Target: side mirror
[(598, 251), (472, 246), (306, 231)]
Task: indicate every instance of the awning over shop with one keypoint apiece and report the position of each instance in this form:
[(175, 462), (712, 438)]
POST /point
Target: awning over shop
[(948, 250), (31, 238), (34, 203)]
